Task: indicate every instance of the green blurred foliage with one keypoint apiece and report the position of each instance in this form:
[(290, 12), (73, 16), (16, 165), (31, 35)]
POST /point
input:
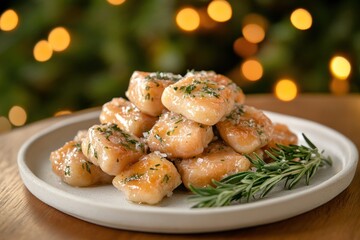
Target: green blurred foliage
[(109, 42)]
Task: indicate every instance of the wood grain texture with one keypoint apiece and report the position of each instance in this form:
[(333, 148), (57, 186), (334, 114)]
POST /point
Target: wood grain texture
[(23, 216)]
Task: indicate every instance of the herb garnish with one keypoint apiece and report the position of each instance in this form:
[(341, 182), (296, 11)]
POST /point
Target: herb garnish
[(129, 141), (290, 163), (236, 114), (157, 136), (133, 177), (86, 166), (147, 96), (78, 147), (67, 171), (165, 179)]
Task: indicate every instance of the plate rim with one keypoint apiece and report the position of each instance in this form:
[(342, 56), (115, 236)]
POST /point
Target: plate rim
[(347, 171)]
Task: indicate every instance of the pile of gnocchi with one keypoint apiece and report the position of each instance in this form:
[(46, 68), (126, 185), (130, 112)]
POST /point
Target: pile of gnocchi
[(171, 130)]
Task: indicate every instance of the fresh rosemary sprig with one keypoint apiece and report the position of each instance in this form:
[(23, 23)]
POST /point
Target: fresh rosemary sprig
[(290, 163)]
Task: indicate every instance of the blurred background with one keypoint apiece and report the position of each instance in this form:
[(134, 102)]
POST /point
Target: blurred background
[(61, 56)]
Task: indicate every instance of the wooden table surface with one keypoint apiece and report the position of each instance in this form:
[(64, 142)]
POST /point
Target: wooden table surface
[(23, 216)]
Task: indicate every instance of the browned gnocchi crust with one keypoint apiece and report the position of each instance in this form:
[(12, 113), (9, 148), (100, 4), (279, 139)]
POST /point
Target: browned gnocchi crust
[(178, 137), (71, 165), (126, 116), (216, 162), (112, 148), (198, 99), (149, 180), (145, 90)]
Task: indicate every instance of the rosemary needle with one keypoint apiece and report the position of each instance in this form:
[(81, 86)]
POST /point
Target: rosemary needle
[(290, 163)]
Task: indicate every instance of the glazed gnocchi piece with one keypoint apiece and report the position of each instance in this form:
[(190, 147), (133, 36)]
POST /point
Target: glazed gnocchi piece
[(145, 90), (216, 162), (245, 129), (238, 93), (127, 116), (178, 137), (73, 168), (281, 135), (149, 180), (198, 99), (112, 148)]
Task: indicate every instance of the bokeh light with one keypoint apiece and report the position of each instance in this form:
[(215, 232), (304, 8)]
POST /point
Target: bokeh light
[(219, 10), (42, 51), (59, 39), (9, 20), (188, 19), (339, 87), (116, 2), (286, 90), (17, 116), (340, 67), (252, 69), (244, 48), (301, 19), (5, 125), (254, 33)]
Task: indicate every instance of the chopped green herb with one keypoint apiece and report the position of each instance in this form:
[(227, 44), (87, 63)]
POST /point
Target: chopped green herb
[(78, 147), (236, 114), (133, 177), (165, 179), (189, 88), (158, 137), (170, 132), (86, 165), (147, 96), (67, 171), (179, 121), (210, 91)]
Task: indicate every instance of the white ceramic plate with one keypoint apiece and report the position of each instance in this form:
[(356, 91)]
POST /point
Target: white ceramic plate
[(104, 205)]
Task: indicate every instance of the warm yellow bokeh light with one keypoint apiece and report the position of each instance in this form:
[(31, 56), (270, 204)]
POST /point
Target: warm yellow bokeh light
[(62, 112), (339, 87), (42, 51), (4, 124), (116, 2), (340, 67), (17, 116), (219, 10), (252, 70), (301, 19), (9, 20), (188, 19), (59, 39), (254, 33), (244, 48), (286, 90)]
